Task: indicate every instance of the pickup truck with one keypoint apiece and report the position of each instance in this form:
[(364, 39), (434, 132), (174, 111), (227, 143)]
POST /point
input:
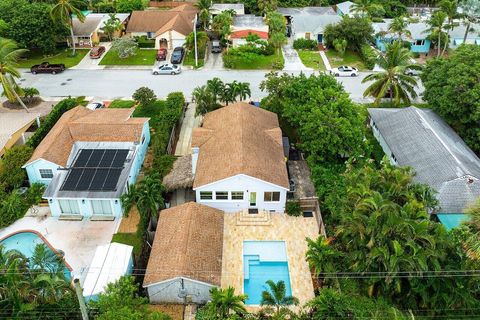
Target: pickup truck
[(46, 67)]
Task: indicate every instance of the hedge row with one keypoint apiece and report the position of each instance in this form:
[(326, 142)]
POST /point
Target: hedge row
[(305, 44), (369, 56)]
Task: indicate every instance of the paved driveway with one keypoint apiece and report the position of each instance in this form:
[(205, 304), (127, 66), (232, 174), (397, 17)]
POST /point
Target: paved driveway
[(214, 62), (93, 64), (292, 60)]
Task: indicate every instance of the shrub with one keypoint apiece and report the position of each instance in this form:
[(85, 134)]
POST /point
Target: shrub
[(369, 56), (51, 119), (12, 207), (144, 96), (357, 31), (144, 42), (305, 44), (293, 208), (11, 173), (124, 47), (340, 45), (174, 106), (29, 94), (163, 164)]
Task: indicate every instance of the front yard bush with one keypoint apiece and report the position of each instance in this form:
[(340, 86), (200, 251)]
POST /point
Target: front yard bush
[(49, 121), (369, 56), (144, 42), (293, 208), (14, 205), (305, 44), (11, 173)]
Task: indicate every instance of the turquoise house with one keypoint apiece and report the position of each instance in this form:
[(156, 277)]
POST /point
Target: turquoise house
[(88, 160), (418, 36)]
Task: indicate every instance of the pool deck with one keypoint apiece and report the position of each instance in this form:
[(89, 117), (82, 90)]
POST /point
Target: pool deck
[(78, 239), (292, 230)]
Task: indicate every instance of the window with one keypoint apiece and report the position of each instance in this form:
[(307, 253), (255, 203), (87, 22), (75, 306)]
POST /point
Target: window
[(101, 207), (237, 195), (143, 139), (46, 173), (393, 157), (69, 206), (419, 42), (221, 195), (206, 195), (271, 196)]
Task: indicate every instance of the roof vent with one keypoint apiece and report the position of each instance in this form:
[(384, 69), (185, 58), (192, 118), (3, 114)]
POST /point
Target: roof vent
[(470, 180)]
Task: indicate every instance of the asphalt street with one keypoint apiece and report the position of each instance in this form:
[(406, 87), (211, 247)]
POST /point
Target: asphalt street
[(113, 83)]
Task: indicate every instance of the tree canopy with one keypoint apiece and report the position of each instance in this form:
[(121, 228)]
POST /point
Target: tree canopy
[(356, 30), (452, 89)]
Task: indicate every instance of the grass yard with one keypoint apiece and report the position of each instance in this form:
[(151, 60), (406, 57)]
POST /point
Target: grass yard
[(131, 239), (144, 57), (259, 62), (350, 58), (63, 56), (311, 59), (122, 104), (190, 60)]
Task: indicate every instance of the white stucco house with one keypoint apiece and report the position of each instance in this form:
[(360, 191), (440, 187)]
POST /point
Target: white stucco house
[(186, 257), (169, 28), (238, 160)]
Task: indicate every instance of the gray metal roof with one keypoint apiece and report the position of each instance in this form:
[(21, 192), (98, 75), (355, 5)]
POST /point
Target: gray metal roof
[(345, 6), (420, 139), (307, 10), (248, 21), (418, 30), (458, 31), (313, 23)]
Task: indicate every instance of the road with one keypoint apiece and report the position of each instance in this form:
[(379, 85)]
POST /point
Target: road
[(111, 84)]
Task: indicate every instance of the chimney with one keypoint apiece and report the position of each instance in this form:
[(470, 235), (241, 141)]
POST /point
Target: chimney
[(195, 151)]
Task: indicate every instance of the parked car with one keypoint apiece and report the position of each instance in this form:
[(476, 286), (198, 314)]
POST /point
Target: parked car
[(167, 69), (46, 67), (161, 54), (344, 71), (97, 52), (94, 105), (177, 55), (216, 47)]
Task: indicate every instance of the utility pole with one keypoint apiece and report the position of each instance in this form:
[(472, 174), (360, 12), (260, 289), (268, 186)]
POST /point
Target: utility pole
[(81, 301), (195, 39)]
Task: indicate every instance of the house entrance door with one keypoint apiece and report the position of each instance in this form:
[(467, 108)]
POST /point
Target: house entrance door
[(253, 199)]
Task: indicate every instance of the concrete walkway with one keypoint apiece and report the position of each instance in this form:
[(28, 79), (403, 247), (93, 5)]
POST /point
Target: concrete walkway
[(292, 60), (93, 64), (214, 62), (328, 67), (184, 144)]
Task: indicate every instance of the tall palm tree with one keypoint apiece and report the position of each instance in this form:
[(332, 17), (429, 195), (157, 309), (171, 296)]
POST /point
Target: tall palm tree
[(472, 243), (450, 8), (231, 92), (322, 256), (63, 10), (46, 260), (216, 87), (204, 7), (243, 89), (399, 27), (225, 302), (367, 8), (393, 79), (471, 14), (205, 100), (277, 297), (9, 56), (436, 26)]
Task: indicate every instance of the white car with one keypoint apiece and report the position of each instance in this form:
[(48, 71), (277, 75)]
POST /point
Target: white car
[(94, 105), (344, 71), (166, 68)]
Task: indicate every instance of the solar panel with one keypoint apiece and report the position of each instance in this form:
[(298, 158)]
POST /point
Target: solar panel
[(96, 170)]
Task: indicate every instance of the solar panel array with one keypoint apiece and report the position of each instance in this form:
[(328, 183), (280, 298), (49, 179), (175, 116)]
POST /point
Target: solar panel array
[(95, 170)]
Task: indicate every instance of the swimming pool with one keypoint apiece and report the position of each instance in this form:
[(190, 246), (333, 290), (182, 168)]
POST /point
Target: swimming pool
[(263, 261), (25, 242)]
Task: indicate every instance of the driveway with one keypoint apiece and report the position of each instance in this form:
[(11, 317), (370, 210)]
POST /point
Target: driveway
[(292, 60), (214, 62), (184, 144), (93, 64)]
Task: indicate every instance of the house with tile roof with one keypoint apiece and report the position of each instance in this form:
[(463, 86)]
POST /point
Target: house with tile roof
[(169, 28), (87, 161), (420, 139), (246, 24), (90, 31), (238, 161), (186, 257), (13, 128)]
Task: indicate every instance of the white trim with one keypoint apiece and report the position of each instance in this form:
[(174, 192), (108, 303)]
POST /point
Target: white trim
[(242, 175), (178, 278), (29, 163)]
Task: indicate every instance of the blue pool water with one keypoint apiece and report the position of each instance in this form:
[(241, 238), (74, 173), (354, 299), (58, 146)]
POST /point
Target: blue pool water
[(25, 242), (263, 261)]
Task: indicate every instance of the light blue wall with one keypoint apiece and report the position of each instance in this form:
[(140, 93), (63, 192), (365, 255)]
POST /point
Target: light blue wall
[(140, 157), (381, 42), (34, 173), (85, 207)]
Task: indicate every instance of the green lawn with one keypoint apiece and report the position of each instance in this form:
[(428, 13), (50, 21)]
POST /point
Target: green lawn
[(311, 59), (63, 56), (122, 104), (190, 60), (131, 239), (350, 58), (144, 57), (259, 62)]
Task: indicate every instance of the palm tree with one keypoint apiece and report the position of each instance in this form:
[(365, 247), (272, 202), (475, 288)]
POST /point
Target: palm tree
[(266, 6), (112, 25), (367, 8), (471, 13), (204, 7), (472, 243), (399, 27), (231, 92), (437, 24), (62, 11), (393, 79), (322, 256), (277, 297), (224, 302), (46, 260), (243, 89), (9, 55), (450, 8), (216, 87), (205, 100)]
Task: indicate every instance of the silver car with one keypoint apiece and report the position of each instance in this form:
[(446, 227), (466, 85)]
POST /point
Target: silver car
[(166, 69)]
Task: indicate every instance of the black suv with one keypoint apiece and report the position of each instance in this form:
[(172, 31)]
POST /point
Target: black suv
[(177, 55)]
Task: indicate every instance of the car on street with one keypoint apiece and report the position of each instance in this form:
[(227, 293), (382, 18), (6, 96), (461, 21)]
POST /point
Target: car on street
[(177, 55), (216, 47), (344, 71), (167, 69), (161, 54), (46, 67), (94, 105), (97, 52)]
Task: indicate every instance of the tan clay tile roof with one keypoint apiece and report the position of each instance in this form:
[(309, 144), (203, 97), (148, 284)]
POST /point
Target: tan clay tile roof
[(188, 243), (158, 21), (81, 124), (240, 139)]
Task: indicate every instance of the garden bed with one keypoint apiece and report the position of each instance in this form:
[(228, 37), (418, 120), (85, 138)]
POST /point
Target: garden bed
[(190, 60), (311, 59), (256, 62), (349, 58), (143, 57), (63, 56)]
